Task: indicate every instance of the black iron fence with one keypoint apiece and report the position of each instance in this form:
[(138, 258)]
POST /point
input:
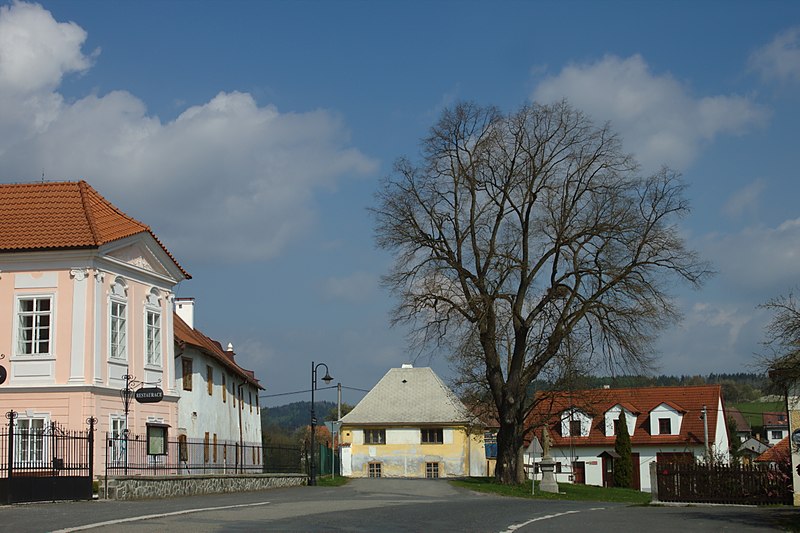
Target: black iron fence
[(43, 461), (136, 454), (186, 456), (756, 484)]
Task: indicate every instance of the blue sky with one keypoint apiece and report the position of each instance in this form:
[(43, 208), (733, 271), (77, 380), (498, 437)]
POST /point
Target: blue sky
[(252, 135)]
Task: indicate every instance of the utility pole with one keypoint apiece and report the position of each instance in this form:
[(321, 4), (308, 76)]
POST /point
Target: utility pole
[(704, 416)]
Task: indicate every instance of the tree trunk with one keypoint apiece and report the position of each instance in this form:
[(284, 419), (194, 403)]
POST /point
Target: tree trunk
[(509, 442)]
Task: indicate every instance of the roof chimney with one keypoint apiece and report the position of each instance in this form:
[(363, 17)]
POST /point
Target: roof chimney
[(606, 387), (407, 365), (184, 307), (230, 346)]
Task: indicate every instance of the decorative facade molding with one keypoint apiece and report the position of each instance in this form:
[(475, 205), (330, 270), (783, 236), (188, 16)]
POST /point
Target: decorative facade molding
[(79, 273)]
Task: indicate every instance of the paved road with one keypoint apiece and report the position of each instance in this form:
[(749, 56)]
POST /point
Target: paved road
[(381, 505)]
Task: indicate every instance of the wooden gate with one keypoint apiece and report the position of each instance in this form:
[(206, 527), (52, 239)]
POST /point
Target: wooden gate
[(729, 484), (45, 463)]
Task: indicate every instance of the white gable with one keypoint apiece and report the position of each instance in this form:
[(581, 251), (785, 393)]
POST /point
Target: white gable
[(574, 416), (613, 414), (665, 412)]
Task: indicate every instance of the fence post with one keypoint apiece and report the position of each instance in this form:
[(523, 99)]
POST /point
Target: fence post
[(92, 421), (654, 482), (10, 416)]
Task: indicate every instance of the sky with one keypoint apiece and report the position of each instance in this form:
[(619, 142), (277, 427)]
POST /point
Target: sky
[(252, 135)]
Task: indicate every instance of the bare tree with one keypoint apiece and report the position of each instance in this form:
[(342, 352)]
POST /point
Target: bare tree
[(782, 344), (517, 234)]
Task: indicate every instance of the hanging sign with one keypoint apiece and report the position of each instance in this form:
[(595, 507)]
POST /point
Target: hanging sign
[(149, 395)]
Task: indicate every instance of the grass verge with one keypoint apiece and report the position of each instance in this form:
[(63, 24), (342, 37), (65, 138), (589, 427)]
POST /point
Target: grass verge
[(566, 491), (328, 481)]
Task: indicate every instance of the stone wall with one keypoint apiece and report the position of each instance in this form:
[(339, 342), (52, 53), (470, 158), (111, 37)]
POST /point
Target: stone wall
[(145, 487)]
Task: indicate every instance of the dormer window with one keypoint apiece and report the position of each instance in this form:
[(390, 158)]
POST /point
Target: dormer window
[(666, 418), (612, 422), (575, 423)]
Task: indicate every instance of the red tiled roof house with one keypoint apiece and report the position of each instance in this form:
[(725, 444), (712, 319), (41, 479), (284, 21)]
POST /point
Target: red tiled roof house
[(86, 296), (665, 423)]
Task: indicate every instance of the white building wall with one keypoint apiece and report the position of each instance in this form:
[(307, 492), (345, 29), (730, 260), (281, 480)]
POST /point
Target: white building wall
[(721, 446), (590, 456)]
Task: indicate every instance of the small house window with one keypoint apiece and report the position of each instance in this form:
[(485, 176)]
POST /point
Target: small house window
[(224, 389), (776, 435), (374, 470), (664, 426), (210, 379), (375, 436), (575, 428), (187, 373), (432, 470), (432, 436)]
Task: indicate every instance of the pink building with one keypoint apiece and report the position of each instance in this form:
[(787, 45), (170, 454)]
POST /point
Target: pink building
[(86, 297)]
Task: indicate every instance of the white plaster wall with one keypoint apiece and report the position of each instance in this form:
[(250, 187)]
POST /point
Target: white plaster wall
[(613, 414), (586, 422), (594, 463), (721, 447), (665, 411), (402, 436)]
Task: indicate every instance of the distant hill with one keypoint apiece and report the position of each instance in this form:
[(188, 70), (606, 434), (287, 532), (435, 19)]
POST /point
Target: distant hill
[(294, 415)]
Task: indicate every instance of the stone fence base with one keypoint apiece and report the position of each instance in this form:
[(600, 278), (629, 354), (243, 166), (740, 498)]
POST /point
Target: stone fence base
[(145, 487)]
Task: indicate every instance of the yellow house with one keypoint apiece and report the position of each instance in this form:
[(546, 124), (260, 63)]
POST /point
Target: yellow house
[(411, 425)]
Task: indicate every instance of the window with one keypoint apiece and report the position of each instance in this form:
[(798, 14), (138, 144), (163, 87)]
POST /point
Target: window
[(210, 379), (664, 426), (575, 428), (616, 426), (29, 447), (35, 319), (777, 435), (224, 389), (205, 448), (153, 340), (432, 436), (250, 400), (118, 439), (374, 470), (187, 373), (375, 436), (431, 470), (118, 329), (215, 447), (258, 407)]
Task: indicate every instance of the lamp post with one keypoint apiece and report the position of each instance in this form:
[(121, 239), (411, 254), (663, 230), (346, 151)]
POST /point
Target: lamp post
[(327, 379)]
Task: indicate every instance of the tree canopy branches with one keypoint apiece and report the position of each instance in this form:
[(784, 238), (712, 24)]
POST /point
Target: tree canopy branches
[(518, 235)]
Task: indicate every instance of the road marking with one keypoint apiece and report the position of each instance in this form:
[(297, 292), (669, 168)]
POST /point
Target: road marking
[(514, 527), (150, 516)]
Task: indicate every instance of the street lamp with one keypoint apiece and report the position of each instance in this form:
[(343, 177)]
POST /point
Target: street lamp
[(327, 379)]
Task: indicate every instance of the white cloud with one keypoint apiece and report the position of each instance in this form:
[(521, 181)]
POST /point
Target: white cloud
[(745, 200), (658, 118), (757, 259), (780, 59), (357, 287), (226, 180)]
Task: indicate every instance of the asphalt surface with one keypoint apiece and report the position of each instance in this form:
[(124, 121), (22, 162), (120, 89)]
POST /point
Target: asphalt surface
[(383, 505)]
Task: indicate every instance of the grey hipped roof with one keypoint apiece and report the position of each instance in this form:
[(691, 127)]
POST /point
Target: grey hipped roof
[(409, 396)]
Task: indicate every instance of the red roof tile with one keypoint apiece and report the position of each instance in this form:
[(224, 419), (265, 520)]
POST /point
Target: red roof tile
[(640, 401), (185, 334), (63, 215), (777, 419), (777, 454)]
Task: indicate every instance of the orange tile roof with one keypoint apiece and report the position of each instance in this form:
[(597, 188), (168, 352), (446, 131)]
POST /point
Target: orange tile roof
[(63, 215), (186, 335), (641, 401), (777, 454), (775, 419)]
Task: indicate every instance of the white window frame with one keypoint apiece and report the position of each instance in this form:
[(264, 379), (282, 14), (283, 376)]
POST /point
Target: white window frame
[(23, 435), (118, 296), (116, 426), (18, 314), (153, 346)]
